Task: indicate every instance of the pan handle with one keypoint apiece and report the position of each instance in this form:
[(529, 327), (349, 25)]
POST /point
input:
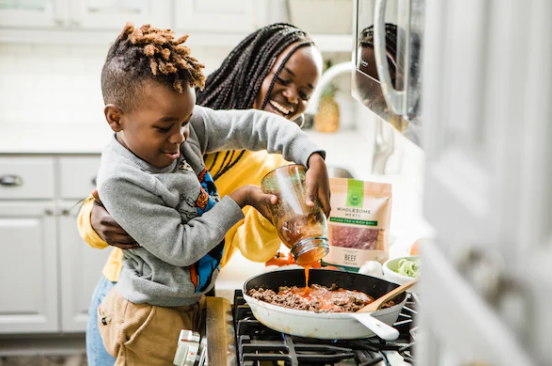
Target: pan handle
[(381, 329)]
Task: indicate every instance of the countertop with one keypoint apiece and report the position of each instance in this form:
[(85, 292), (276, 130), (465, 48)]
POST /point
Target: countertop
[(345, 149)]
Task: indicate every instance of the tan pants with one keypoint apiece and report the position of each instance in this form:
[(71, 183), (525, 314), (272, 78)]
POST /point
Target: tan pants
[(142, 334)]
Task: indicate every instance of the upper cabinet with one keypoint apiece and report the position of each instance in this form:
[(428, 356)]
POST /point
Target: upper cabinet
[(112, 14), (215, 15), (211, 23), (33, 13), (82, 14)]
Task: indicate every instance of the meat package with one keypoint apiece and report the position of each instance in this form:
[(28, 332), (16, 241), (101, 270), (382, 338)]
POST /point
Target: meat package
[(358, 227)]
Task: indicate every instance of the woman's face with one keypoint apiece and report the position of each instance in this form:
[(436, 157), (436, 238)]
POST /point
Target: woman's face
[(295, 83)]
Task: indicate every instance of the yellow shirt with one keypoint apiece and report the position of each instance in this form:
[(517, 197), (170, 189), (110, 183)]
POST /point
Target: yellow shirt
[(254, 236)]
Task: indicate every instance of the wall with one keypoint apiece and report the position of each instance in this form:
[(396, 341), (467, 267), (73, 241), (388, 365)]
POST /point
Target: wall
[(60, 84)]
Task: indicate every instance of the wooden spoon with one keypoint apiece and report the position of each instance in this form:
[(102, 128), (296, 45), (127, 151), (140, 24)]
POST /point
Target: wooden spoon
[(378, 303)]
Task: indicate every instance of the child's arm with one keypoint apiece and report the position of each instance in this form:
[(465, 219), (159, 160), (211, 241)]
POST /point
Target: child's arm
[(258, 130), (159, 228), (252, 130)]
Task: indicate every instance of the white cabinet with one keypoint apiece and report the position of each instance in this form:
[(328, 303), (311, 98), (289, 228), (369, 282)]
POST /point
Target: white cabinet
[(26, 178), (237, 16), (113, 14), (83, 14), (80, 270), (33, 13), (210, 16), (219, 23), (47, 272), (78, 176), (28, 268), (80, 265)]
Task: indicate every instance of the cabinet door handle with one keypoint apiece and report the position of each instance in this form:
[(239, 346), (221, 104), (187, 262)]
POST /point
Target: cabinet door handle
[(94, 181), (49, 212), (11, 181)]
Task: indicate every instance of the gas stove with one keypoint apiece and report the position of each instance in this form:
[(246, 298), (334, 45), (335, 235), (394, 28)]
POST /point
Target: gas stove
[(258, 345)]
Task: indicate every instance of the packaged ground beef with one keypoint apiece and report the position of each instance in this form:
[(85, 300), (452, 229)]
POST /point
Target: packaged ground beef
[(358, 228)]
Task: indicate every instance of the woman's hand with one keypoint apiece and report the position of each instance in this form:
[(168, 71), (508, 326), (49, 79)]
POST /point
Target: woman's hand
[(318, 183), (253, 196), (107, 228)]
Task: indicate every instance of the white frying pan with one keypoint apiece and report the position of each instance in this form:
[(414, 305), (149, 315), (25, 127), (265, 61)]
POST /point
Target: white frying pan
[(325, 325)]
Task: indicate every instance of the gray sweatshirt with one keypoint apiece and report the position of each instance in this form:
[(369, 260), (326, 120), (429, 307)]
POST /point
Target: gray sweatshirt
[(175, 213)]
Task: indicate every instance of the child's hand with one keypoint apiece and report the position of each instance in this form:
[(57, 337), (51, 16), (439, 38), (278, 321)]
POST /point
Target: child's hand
[(318, 183), (253, 196)]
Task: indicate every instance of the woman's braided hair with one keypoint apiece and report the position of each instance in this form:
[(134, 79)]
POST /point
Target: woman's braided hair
[(147, 53), (236, 83)]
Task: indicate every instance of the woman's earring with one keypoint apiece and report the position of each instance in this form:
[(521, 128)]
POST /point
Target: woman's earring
[(302, 116)]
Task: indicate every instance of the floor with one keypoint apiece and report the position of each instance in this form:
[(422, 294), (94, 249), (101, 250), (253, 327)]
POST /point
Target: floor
[(73, 360), (47, 350)]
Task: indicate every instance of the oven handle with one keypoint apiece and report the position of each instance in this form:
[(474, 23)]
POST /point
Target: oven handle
[(395, 98)]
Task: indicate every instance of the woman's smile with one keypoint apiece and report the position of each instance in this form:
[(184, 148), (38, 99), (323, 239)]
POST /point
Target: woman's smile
[(284, 111)]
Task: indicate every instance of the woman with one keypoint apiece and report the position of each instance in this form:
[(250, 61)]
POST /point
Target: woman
[(274, 69)]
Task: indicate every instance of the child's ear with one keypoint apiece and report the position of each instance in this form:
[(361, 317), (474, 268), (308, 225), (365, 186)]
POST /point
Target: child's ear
[(113, 116)]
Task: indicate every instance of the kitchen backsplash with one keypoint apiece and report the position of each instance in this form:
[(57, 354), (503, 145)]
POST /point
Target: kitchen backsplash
[(60, 84)]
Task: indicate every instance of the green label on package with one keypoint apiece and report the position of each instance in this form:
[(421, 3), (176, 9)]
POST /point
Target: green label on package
[(355, 193), (353, 221)]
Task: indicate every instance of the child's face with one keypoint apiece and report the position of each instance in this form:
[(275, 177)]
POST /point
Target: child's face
[(156, 128)]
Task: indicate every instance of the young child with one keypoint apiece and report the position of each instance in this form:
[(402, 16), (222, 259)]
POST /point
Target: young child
[(154, 183)]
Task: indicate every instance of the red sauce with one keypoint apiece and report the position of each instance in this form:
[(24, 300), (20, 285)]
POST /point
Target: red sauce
[(307, 289)]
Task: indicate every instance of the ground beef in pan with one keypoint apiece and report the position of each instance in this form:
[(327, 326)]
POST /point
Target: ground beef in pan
[(320, 299)]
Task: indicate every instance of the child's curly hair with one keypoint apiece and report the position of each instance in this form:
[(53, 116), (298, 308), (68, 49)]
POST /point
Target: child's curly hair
[(147, 53)]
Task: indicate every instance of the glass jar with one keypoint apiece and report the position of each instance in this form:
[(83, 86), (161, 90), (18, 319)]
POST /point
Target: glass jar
[(301, 228)]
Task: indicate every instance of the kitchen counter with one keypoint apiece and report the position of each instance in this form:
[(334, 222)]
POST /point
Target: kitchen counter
[(345, 149)]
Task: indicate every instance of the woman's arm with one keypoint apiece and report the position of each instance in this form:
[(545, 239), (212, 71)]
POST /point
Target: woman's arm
[(255, 237), (84, 225), (98, 229)]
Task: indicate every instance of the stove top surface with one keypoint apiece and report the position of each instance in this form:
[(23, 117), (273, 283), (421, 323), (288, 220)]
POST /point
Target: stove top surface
[(258, 345)]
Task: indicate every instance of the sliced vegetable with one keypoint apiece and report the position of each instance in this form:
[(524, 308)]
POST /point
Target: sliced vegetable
[(409, 268)]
